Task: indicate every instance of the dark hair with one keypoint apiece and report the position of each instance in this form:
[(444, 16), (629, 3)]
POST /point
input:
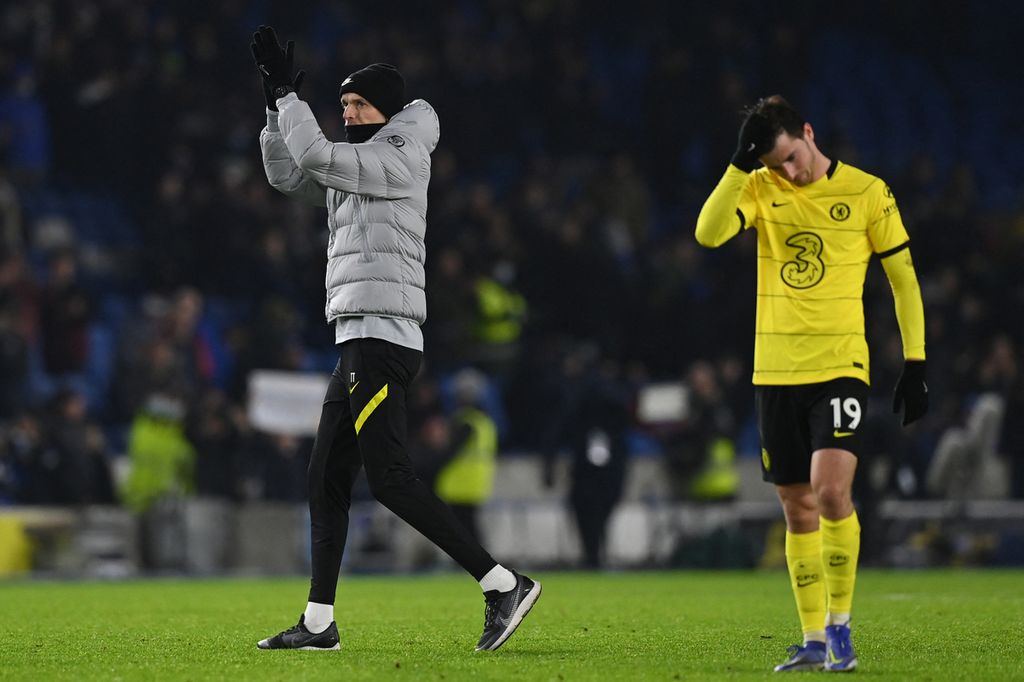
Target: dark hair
[(781, 115)]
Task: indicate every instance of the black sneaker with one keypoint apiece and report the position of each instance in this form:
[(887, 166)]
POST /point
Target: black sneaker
[(505, 611), (299, 637)]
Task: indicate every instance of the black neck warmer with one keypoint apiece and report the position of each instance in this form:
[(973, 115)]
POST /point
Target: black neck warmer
[(361, 133)]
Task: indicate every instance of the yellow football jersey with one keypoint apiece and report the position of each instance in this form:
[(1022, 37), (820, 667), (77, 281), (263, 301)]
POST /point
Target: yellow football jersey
[(814, 244)]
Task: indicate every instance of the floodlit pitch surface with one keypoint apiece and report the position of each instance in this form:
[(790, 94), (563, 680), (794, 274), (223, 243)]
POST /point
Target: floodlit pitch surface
[(908, 625)]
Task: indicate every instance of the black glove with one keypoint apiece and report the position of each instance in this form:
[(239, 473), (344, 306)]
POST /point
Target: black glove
[(756, 138), (275, 65), (911, 392), (268, 94)]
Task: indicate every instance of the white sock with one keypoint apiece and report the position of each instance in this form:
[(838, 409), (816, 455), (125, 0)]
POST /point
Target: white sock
[(838, 619), (498, 578), (814, 636), (318, 616)]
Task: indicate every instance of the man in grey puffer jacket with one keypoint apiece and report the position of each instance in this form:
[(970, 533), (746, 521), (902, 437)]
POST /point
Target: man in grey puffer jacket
[(374, 187)]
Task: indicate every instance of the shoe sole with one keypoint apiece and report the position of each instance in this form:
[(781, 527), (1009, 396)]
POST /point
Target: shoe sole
[(807, 668), (517, 617), (848, 669), (336, 647)]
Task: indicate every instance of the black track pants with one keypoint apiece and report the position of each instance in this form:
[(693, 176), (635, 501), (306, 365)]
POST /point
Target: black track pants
[(364, 423)]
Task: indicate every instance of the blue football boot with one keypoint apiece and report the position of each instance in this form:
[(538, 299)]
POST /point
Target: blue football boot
[(841, 657), (810, 656)]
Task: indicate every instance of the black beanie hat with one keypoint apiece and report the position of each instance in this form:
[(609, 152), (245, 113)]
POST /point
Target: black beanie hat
[(381, 85)]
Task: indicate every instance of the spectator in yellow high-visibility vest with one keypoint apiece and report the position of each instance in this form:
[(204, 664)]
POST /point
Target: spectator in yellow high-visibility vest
[(465, 482)]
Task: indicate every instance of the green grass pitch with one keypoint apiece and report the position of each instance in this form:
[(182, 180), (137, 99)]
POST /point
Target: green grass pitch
[(920, 625)]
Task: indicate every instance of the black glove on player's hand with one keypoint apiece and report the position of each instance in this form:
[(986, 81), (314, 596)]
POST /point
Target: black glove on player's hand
[(756, 138), (911, 392)]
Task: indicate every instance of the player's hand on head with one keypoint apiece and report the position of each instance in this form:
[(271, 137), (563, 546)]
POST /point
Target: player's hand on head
[(756, 138), (911, 392)]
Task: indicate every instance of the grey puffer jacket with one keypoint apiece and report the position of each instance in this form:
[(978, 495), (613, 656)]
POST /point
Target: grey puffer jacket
[(376, 199)]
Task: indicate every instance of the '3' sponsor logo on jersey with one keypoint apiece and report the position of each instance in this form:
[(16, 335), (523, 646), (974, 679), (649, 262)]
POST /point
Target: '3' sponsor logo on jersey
[(806, 269)]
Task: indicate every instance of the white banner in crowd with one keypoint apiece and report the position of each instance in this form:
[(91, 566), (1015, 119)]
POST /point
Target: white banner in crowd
[(663, 403), (286, 402)]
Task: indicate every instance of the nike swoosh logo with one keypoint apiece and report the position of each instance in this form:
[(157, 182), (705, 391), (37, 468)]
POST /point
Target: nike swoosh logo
[(841, 434), (776, 204), (837, 563), (352, 390), (806, 582), (505, 620), (301, 639)]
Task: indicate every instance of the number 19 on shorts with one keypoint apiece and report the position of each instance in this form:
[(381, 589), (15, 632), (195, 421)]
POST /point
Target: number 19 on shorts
[(849, 408)]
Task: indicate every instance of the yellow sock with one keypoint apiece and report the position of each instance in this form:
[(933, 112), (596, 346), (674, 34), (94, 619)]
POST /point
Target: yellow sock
[(840, 547), (803, 557)]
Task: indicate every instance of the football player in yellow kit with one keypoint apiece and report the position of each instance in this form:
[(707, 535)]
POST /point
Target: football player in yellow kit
[(818, 222)]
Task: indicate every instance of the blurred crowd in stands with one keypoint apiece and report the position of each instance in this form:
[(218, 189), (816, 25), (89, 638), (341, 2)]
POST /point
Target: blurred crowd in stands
[(146, 267)]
